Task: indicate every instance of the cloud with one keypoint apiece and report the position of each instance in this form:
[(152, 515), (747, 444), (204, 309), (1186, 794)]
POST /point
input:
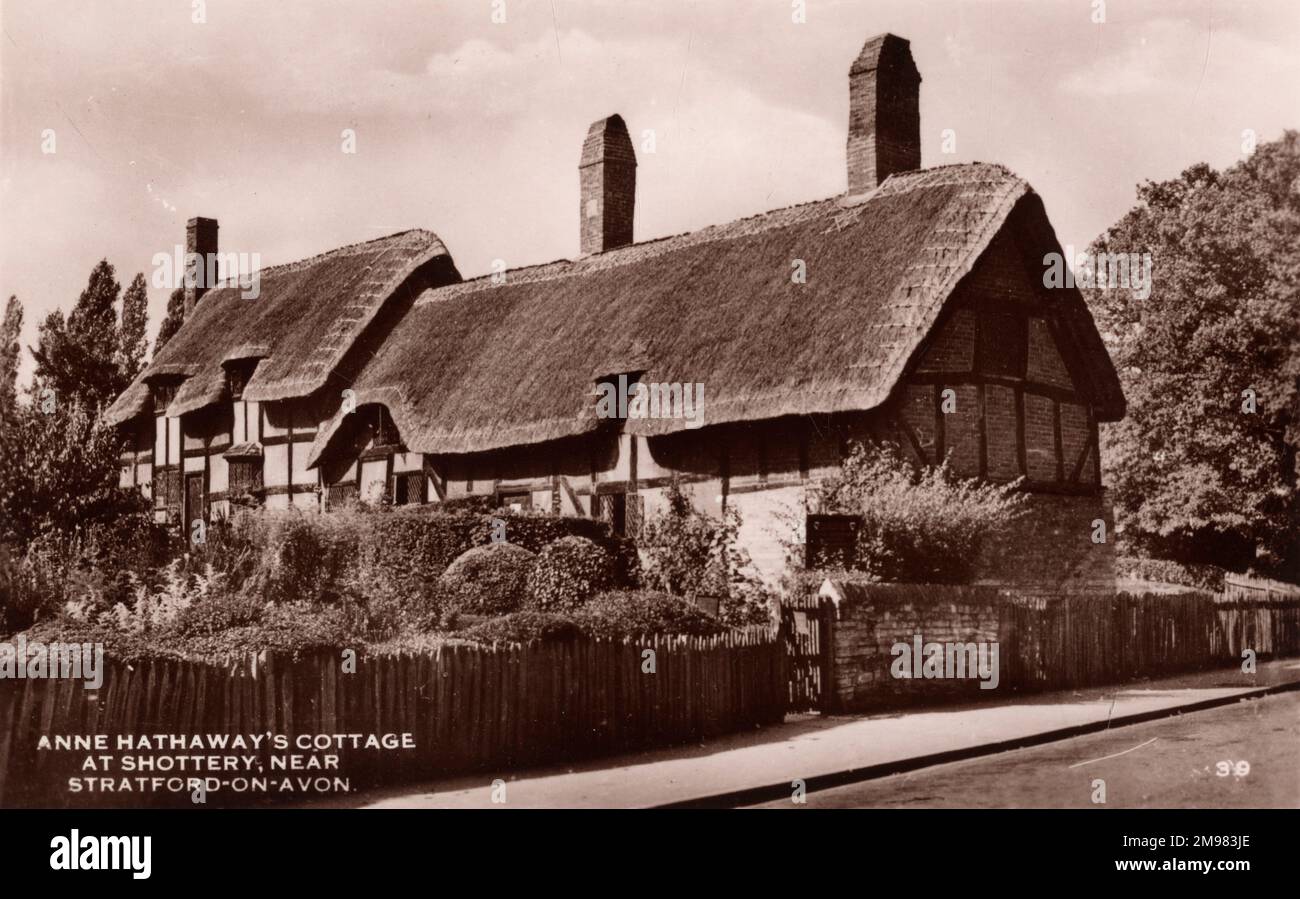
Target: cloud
[(1172, 57)]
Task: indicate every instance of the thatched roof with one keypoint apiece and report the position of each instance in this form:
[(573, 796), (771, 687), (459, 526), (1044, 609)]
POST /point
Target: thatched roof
[(304, 320), (482, 364)]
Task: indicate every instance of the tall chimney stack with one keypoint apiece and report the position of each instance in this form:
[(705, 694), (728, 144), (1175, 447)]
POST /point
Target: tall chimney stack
[(607, 186), (200, 243), (884, 113)]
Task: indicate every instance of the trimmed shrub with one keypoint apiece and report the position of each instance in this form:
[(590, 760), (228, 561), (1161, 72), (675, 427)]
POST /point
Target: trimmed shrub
[(569, 572), (635, 613), (474, 504), (535, 531), (490, 580), (418, 545), (528, 626)]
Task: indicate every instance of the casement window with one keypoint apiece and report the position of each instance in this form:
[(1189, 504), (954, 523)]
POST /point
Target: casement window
[(238, 374), (409, 488), (245, 476), (244, 467), (625, 513), (383, 431), (634, 516), (163, 394), (236, 381), (342, 494), (167, 488)]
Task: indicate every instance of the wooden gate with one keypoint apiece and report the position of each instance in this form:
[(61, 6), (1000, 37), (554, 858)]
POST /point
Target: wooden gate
[(805, 632)]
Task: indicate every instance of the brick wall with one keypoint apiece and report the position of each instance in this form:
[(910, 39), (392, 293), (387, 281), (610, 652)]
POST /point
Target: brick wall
[(864, 632), (1049, 551), (1070, 642)]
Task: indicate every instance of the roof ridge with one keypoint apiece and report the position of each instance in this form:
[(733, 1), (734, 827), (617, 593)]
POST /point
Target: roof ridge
[(299, 264), (626, 254), (728, 230)]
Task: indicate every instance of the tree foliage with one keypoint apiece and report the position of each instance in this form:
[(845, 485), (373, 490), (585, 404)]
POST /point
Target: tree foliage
[(58, 472), (78, 358), (10, 349), (133, 340), (1204, 466), (173, 321)]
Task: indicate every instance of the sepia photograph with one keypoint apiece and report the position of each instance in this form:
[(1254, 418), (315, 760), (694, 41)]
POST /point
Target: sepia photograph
[(449, 406)]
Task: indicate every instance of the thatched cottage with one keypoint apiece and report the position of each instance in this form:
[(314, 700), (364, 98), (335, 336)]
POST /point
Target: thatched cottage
[(376, 370)]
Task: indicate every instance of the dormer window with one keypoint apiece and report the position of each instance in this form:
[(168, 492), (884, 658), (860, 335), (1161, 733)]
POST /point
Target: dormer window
[(236, 380), (385, 431), (238, 374), (163, 394)]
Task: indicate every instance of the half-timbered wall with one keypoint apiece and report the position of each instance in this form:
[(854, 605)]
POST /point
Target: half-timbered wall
[(1015, 412)]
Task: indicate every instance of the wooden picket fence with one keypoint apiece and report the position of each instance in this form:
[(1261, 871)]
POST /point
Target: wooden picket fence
[(1242, 588), (1090, 640), (469, 708)]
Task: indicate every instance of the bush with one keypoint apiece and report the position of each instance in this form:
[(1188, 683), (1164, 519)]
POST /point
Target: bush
[(490, 580), (474, 504), (1202, 577), (690, 553), (613, 615), (568, 573), (220, 613), (416, 546), (535, 531), (918, 525), (528, 626), (292, 627), (297, 555), (636, 613)]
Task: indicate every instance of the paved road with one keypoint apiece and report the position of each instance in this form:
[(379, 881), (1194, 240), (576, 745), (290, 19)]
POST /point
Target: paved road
[(1170, 763)]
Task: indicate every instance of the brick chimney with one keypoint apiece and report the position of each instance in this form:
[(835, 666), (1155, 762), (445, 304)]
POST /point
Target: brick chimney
[(884, 113), (607, 186), (200, 243)]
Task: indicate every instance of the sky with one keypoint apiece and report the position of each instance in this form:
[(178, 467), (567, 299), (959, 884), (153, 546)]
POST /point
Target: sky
[(469, 116)]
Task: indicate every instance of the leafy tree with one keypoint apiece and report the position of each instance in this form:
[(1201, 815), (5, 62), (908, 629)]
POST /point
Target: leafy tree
[(10, 350), (1204, 466), (173, 321), (58, 473), (78, 358), (133, 341)]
